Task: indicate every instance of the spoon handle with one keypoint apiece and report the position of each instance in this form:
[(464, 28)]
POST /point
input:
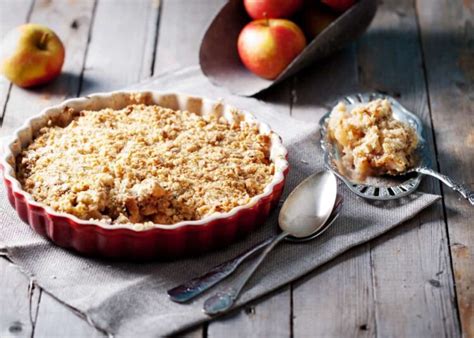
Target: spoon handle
[(223, 301), (461, 189), (196, 286)]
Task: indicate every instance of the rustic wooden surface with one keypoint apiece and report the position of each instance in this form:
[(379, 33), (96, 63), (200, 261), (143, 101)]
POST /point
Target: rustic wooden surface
[(416, 281)]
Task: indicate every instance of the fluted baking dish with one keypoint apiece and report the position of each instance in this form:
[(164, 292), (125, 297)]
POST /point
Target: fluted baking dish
[(129, 241)]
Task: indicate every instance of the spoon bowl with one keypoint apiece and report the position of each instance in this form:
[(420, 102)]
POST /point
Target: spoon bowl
[(306, 209), (334, 215)]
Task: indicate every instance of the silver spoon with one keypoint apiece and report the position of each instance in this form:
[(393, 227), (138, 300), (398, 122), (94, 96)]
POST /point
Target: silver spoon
[(196, 286), (463, 190), (305, 211)]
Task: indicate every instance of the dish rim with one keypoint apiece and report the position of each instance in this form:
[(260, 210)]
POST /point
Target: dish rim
[(277, 148)]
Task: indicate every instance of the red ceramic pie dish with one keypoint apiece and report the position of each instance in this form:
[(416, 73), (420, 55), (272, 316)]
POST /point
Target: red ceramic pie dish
[(131, 241)]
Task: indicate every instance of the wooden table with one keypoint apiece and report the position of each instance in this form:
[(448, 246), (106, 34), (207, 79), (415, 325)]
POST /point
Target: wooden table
[(416, 281)]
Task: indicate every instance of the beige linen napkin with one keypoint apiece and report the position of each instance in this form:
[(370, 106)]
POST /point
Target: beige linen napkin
[(129, 299)]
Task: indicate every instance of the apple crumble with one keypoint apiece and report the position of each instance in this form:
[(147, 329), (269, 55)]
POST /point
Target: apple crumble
[(371, 140), (146, 164)]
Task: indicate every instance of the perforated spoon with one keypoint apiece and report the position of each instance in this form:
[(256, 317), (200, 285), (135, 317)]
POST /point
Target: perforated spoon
[(305, 211), (388, 187)]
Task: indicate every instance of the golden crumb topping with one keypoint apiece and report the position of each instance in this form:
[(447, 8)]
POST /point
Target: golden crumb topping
[(371, 140), (146, 164)]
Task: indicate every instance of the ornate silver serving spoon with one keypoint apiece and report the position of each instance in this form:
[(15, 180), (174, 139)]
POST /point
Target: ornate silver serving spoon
[(197, 286), (304, 213)]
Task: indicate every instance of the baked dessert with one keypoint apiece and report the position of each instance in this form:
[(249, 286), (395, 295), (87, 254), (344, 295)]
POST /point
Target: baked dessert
[(105, 236), (146, 164), (371, 141)]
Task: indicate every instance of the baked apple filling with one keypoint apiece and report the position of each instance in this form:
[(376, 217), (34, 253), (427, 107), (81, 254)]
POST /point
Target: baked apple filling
[(146, 164), (371, 140)]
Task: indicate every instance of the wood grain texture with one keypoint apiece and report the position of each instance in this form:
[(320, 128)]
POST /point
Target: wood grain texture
[(120, 51), (336, 300), (318, 86), (12, 14), (399, 285), (413, 281), (16, 306), (270, 317), (19, 302), (182, 25), (73, 29), (396, 69), (447, 34)]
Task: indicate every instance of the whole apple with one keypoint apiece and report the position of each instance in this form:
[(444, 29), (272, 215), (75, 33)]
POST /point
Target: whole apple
[(263, 9), (339, 5), (31, 55), (267, 46)]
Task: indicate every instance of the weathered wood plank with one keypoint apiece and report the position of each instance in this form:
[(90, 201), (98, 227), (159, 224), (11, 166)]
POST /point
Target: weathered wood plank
[(19, 302), (73, 29), (413, 281), (120, 52), (320, 85), (336, 300), (270, 317), (182, 25), (447, 34), (55, 319), (381, 256), (396, 313), (12, 14)]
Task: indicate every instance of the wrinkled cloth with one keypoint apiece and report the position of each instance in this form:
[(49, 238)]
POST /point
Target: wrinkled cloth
[(129, 299)]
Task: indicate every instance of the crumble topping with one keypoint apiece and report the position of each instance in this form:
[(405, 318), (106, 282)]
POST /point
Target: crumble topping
[(371, 140), (146, 164)]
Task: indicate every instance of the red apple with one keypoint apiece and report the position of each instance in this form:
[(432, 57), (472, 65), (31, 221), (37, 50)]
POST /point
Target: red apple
[(31, 55), (267, 46), (262, 9), (316, 18), (339, 5)]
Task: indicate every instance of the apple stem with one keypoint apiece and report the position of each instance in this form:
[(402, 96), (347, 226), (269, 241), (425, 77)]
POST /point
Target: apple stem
[(267, 21), (44, 39)]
